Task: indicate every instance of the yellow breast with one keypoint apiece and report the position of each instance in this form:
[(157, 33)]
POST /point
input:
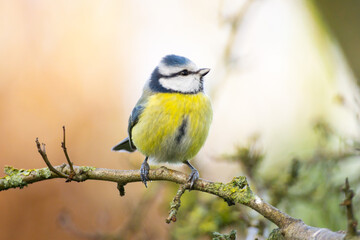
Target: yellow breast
[(158, 132)]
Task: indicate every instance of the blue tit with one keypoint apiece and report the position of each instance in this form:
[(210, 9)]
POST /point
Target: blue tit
[(171, 120)]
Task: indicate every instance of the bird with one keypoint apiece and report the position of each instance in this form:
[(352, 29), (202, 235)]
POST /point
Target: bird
[(171, 120)]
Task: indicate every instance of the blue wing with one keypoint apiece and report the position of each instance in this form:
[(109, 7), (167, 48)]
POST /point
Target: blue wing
[(127, 144)]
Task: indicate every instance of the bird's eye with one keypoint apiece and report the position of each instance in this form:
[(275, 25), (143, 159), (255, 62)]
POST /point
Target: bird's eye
[(184, 72)]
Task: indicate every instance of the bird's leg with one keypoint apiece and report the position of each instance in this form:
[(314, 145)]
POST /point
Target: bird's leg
[(144, 171), (194, 175)]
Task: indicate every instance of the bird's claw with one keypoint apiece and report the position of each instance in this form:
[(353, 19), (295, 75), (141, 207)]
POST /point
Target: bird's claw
[(193, 177), (144, 172)]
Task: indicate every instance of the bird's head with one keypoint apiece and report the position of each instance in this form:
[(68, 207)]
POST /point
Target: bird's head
[(177, 74)]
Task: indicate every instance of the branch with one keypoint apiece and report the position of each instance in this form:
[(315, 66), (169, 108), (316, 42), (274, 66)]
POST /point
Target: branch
[(63, 146), (175, 204), (237, 191), (43, 154), (352, 222)]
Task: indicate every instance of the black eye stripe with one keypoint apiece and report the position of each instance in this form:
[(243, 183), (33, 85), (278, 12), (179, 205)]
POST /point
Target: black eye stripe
[(177, 74), (184, 72), (187, 72)]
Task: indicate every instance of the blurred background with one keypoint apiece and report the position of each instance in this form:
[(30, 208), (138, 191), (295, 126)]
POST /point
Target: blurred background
[(284, 84)]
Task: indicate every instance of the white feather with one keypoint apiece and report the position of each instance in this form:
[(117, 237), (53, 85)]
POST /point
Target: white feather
[(185, 84)]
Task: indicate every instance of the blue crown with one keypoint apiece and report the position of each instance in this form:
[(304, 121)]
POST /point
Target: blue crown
[(174, 60)]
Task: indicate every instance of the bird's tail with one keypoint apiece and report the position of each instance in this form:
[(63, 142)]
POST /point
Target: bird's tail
[(125, 145)]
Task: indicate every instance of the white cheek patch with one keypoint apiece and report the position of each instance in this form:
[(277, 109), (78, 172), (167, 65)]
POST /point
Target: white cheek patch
[(185, 84)]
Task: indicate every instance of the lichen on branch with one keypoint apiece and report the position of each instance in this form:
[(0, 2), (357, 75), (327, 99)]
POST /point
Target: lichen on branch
[(236, 191)]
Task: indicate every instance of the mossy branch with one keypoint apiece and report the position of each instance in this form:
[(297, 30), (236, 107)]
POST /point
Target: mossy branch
[(236, 191)]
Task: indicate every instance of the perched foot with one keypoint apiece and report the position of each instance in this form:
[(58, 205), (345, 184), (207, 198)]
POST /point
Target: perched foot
[(144, 171), (194, 175)]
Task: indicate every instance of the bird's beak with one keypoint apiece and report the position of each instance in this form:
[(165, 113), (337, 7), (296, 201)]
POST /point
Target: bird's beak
[(204, 71)]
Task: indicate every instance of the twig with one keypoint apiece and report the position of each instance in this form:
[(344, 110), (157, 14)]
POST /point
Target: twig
[(63, 146), (175, 204), (233, 22), (121, 188), (351, 221), (42, 152)]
